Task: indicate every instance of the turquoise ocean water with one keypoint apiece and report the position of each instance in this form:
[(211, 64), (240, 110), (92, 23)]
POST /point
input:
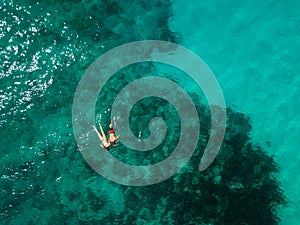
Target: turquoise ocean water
[(253, 49)]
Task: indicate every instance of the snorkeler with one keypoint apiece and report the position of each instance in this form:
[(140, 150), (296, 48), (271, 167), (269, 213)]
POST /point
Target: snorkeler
[(105, 144), (112, 130)]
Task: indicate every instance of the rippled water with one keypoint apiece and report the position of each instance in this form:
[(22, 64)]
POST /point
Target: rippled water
[(45, 48), (253, 48)]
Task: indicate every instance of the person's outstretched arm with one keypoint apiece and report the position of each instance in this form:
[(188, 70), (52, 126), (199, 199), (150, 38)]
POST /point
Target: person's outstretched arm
[(115, 123)]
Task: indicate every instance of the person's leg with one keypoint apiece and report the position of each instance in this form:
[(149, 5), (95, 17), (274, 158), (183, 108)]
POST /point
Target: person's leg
[(99, 135), (103, 134)]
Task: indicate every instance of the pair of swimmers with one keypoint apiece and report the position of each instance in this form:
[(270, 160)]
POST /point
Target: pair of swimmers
[(112, 137)]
